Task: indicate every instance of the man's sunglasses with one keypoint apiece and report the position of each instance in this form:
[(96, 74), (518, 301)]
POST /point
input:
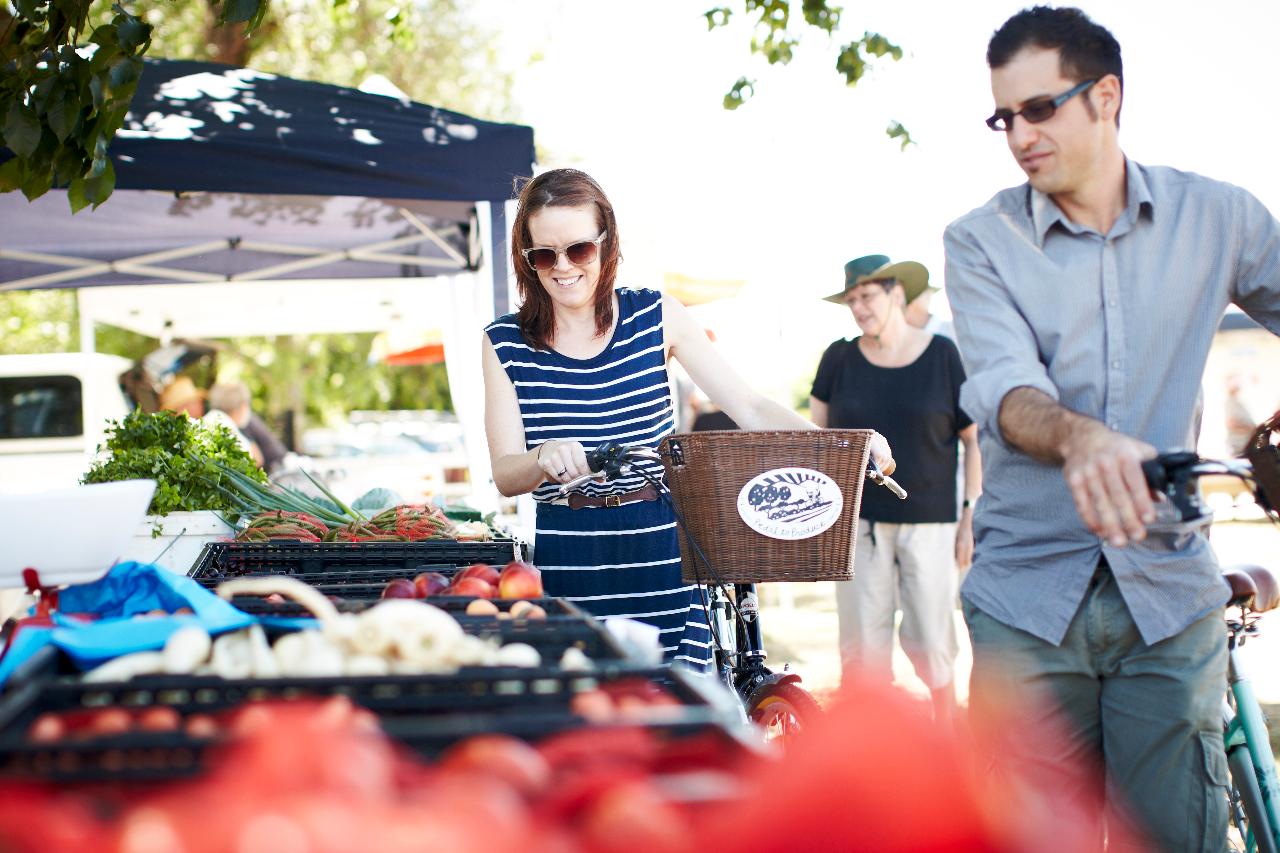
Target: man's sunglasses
[(579, 254), (1036, 111)]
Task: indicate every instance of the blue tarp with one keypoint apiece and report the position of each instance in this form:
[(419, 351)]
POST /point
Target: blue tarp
[(127, 590)]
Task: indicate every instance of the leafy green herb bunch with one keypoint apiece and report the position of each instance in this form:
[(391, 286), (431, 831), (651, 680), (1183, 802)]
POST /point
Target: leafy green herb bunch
[(184, 457)]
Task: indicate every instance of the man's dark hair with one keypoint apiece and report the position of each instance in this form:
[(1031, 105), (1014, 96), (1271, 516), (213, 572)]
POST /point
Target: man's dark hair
[(1086, 51)]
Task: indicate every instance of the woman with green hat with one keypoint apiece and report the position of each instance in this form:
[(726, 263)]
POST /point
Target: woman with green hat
[(905, 383)]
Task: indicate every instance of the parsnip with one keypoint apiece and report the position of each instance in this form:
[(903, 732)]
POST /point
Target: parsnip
[(126, 667)]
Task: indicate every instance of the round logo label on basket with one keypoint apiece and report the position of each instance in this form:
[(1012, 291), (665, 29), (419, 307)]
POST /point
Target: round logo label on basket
[(790, 503)]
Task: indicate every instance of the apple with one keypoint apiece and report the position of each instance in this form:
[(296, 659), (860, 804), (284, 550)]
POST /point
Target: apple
[(519, 580), (484, 571), (471, 586), (429, 583), (399, 588)]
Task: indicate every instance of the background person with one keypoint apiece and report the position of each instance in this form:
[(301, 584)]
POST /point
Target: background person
[(582, 363), (1085, 302), (234, 399), (905, 383)]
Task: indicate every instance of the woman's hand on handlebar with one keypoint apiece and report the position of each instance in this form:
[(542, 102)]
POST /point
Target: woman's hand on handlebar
[(882, 455), (562, 461)]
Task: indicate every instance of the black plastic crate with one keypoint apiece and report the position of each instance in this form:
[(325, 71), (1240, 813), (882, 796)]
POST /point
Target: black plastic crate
[(551, 636), (426, 712), (221, 560), (158, 757)]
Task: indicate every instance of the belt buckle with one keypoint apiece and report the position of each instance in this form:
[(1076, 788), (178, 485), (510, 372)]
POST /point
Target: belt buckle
[(613, 500)]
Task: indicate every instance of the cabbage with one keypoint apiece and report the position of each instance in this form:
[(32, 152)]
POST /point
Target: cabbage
[(376, 500)]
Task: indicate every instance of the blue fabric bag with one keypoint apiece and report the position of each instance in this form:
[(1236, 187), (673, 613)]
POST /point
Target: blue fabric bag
[(127, 590)]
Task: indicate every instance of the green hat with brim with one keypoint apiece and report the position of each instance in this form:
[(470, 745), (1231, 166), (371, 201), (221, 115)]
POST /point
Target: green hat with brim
[(913, 276), (855, 268)]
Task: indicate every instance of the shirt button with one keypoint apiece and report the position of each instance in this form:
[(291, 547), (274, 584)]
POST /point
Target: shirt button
[(1111, 302), (1115, 365), (1115, 426)]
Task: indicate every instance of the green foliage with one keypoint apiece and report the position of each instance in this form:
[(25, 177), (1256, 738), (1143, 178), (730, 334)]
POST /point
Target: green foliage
[(895, 130), (774, 39), (69, 77), (183, 456)]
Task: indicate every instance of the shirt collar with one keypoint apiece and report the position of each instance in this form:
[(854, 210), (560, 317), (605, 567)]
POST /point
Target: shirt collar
[(1044, 212)]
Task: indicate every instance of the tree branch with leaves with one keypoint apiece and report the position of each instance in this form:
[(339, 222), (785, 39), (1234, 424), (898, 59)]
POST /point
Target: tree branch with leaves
[(63, 95), (774, 38)]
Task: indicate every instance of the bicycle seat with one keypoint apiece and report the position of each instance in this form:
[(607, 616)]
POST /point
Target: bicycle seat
[(1252, 582)]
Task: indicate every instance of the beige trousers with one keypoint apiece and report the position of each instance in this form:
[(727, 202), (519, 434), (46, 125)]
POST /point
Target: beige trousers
[(907, 566)]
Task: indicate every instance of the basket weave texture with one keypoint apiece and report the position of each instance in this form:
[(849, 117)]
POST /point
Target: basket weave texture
[(707, 470)]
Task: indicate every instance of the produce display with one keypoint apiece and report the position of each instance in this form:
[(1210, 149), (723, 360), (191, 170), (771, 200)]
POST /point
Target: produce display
[(279, 513), (193, 463), (517, 579), (395, 636), (271, 788)]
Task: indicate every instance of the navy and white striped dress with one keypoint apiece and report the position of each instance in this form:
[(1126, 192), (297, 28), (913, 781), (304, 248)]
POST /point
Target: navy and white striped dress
[(611, 561)]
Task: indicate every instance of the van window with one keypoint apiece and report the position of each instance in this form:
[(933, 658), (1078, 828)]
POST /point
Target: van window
[(40, 407)]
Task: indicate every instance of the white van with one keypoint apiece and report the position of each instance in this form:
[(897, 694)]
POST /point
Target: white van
[(53, 413)]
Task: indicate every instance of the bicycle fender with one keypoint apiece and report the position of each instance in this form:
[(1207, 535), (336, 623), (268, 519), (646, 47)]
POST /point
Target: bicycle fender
[(769, 680)]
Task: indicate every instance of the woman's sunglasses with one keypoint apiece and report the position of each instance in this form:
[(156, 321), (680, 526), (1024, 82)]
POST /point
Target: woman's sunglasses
[(1036, 111), (579, 254)]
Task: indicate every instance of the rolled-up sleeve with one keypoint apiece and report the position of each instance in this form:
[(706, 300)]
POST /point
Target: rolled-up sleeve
[(996, 344), (1257, 284)]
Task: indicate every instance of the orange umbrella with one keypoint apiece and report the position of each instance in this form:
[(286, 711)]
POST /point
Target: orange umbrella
[(699, 291)]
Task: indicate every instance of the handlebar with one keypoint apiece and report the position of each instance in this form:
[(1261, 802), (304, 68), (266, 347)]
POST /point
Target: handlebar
[(1174, 476), (611, 460)]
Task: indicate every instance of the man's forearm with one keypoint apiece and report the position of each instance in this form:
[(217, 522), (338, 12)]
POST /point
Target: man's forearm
[(1036, 424)]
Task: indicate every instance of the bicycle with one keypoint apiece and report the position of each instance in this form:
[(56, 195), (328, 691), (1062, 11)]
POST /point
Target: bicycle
[(775, 701), (1254, 792)]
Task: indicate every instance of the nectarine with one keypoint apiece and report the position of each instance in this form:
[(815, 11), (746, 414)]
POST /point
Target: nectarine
[(519, 580), (471, 586), (484, 571), (429, 583)]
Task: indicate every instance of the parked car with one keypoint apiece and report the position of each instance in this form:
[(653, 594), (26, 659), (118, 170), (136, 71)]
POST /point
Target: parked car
[(354, 461), (53, 413)]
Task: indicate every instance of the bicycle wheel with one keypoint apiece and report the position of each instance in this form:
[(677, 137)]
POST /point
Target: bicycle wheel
[(1246, 807), (783, 710)]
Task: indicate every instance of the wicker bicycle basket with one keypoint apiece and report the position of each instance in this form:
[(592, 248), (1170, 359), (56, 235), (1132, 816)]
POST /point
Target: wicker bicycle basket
[(709, 472)]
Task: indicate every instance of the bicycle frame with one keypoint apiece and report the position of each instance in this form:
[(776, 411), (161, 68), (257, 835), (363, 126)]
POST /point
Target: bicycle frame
[(1246, 727), (739, 646)]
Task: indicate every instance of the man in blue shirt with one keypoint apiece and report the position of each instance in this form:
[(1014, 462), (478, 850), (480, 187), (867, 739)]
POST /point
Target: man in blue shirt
[(1085, 303)]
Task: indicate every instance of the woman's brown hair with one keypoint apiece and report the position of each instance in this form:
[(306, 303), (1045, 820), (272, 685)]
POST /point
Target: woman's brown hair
[(561, 188)]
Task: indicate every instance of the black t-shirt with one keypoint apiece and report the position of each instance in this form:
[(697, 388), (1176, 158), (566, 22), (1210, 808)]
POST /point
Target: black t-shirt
[(917, 408)]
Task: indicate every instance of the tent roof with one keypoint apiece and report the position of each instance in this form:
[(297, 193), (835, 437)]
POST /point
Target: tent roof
[(197, 126), (231, 174)]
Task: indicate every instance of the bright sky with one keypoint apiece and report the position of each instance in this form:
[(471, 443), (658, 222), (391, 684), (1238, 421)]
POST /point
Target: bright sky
[(786, 189)]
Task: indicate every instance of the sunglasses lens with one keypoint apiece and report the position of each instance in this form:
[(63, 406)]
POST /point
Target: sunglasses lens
[(1038, 112), (580, 254), (542, 259)]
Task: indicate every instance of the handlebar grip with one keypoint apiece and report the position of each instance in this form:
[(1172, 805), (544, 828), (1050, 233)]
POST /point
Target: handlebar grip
[(898, 491), (1155, 473)]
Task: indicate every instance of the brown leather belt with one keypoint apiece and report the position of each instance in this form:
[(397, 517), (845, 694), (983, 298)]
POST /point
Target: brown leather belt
[(648, 493)]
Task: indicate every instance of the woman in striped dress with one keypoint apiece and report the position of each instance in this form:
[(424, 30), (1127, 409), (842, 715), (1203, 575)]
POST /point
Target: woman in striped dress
[(582, 363)]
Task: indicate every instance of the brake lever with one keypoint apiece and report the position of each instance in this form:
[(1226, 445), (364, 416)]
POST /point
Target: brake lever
[(578, 481), (875, 475)]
